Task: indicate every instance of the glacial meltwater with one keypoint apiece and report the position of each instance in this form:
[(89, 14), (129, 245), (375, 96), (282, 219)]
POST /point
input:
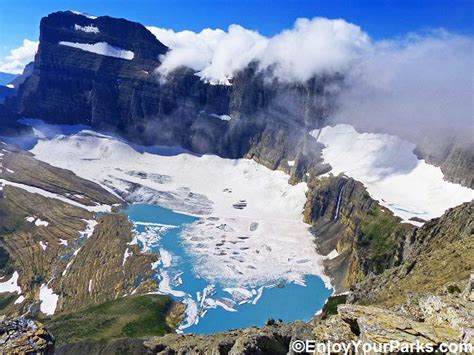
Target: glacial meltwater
[(214, 307)]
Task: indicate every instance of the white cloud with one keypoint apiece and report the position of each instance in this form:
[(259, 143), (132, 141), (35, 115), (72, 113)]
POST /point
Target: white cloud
[(410, 86), (310, 47), (413, 86), (17, 59), (214, 54)]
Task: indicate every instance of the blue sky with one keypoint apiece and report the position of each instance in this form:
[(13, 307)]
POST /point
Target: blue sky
[(20, 19)]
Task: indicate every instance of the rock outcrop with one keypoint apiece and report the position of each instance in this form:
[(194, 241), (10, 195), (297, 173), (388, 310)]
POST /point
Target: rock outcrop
[(24, 336), (437, 256), (100, 271), (453, 152), (431, 320), (274, 338)]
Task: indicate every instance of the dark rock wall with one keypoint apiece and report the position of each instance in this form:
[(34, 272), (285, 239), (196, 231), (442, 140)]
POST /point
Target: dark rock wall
[(69, 85)]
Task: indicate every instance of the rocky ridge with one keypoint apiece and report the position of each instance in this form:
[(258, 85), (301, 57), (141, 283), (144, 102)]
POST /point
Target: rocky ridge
[(77, 253)]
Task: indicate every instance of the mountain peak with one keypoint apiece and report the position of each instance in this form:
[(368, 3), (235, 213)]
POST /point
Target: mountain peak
[(78, 28)]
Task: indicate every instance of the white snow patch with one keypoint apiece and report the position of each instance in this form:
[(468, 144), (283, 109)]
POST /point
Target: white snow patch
[(40, 223), (71, 261), (48, 300), (291, 163), (126, 255), (91, 224), (19, 299), (10, 285), (43, 245), (333, 254), (87, 29), (63, 242), (89, 289), (101, 48), (415, 223), (10, 86), (221, 117), (9, 171), (391, 172)]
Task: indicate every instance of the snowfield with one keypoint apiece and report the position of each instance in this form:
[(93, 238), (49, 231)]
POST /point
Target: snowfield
[(10, 285), (101, 48), (87, 29), (391, 172), (48, 300), (255, 208)]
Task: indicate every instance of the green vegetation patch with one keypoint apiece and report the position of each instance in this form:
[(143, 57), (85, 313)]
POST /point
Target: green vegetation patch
[(379, 229), (5, 262), (330, 308), (454, 289), (6, 300), (135, 316), (380, 233)]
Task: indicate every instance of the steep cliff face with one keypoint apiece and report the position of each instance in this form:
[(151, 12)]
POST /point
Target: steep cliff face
[(360, 236), (455, 159), (437, 256), (73, 85)]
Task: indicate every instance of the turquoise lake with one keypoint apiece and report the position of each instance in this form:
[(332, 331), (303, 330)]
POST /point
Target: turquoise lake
[(286, 301)]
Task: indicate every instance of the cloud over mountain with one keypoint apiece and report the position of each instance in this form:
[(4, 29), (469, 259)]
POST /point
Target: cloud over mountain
[(420, 83), (297, 54), (415, 81)]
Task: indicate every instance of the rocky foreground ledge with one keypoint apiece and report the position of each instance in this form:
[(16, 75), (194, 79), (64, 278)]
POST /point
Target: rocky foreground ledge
[(442, 318), (432, 319), (24, 336)]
